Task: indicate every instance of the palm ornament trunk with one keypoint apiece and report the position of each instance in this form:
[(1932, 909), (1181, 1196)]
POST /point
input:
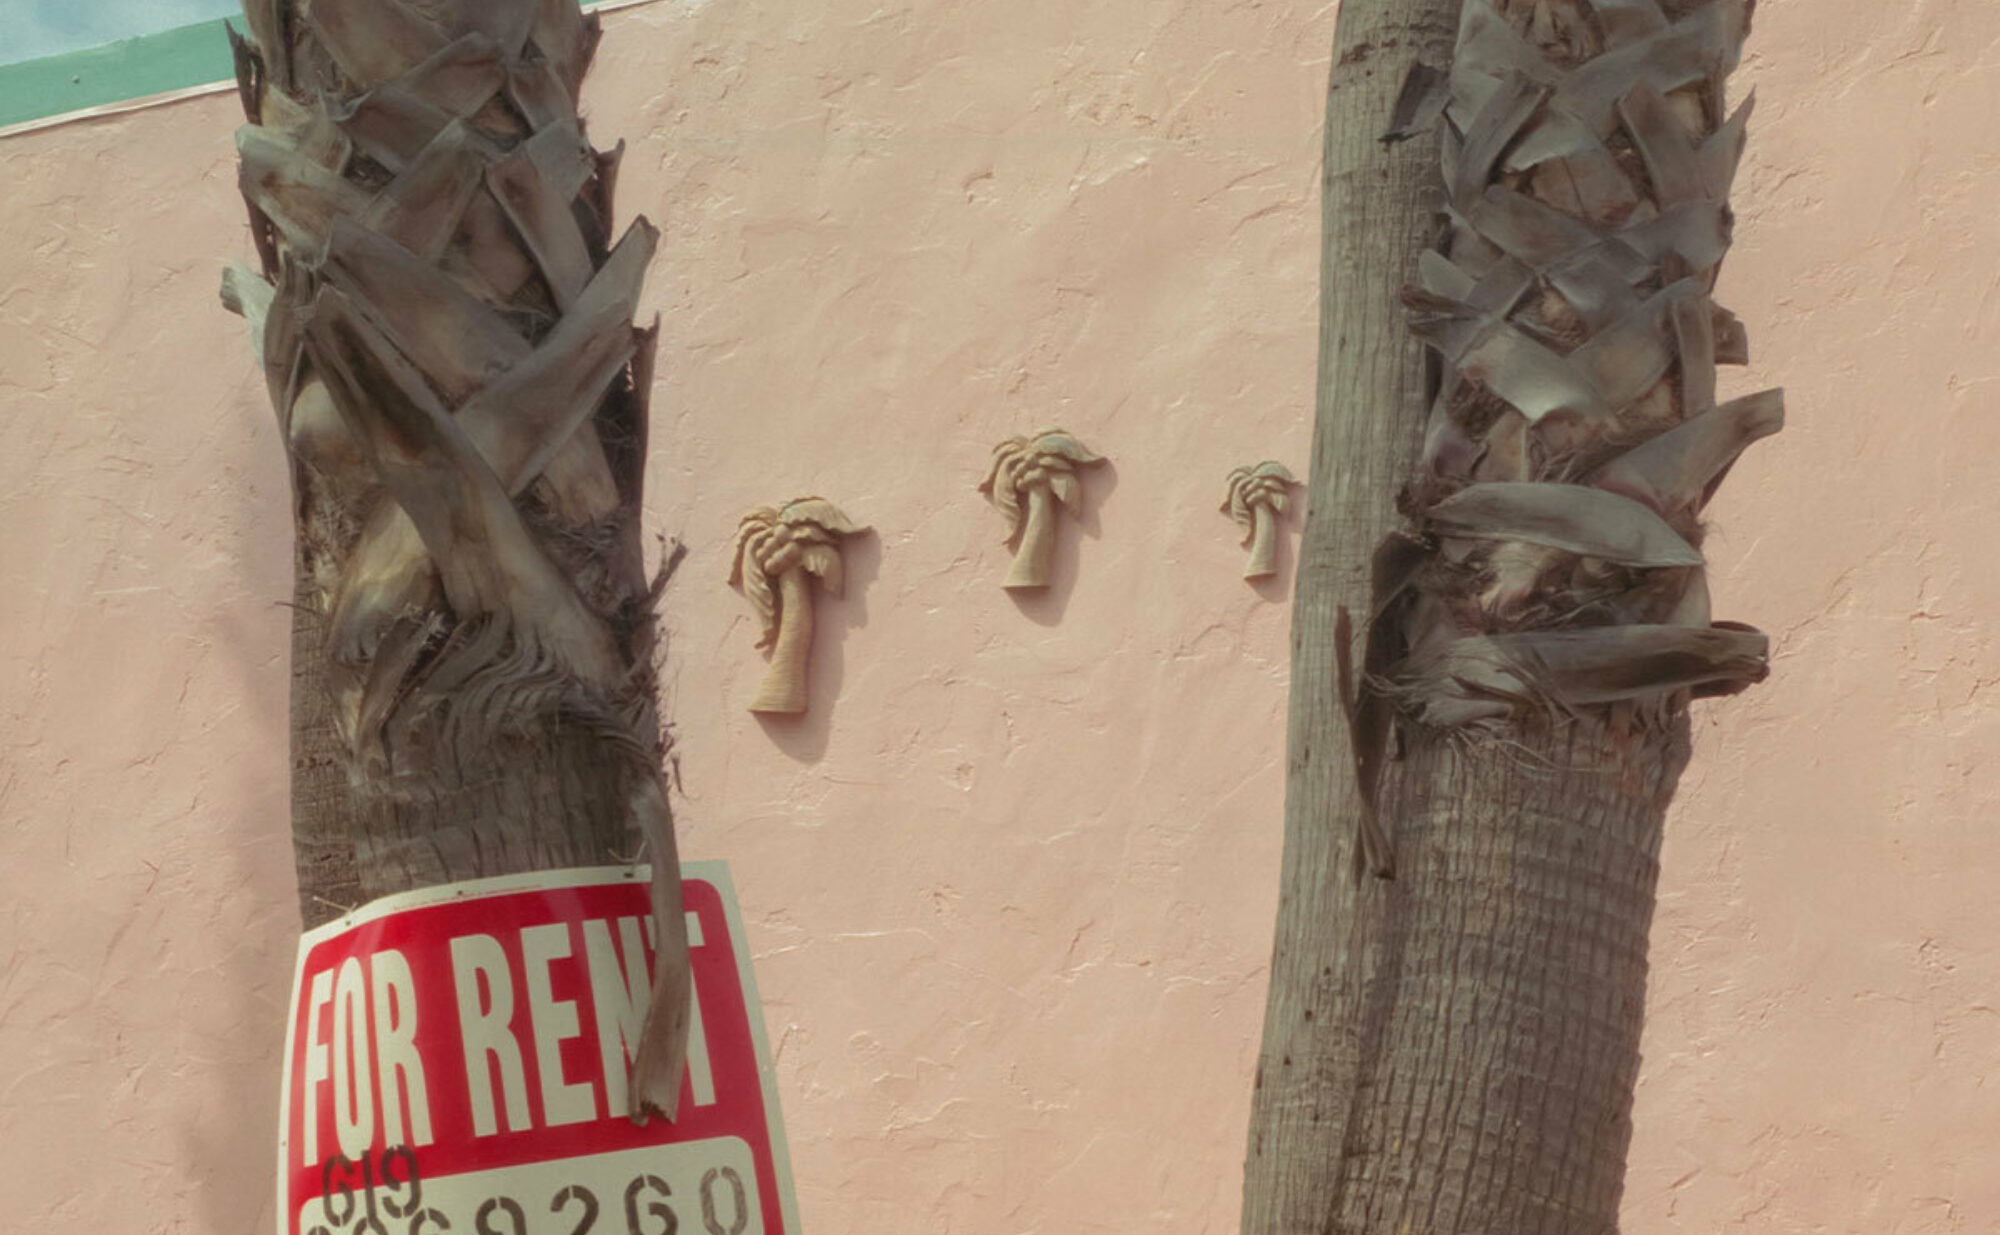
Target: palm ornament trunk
[(778, 551), (1465, 1060), (445, 325)]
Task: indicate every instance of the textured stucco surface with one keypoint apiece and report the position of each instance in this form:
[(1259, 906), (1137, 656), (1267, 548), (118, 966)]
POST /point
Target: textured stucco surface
[(1010, 886), (1823, 1049)]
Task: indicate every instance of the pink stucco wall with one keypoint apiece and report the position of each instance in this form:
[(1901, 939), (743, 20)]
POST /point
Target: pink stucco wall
[(1011, 885)]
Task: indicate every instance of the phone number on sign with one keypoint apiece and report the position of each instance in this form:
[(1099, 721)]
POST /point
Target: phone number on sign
[(699, 1188)]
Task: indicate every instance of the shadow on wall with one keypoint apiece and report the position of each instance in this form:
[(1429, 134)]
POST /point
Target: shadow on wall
[(232, 1142), (1045, 606), (803, 737)]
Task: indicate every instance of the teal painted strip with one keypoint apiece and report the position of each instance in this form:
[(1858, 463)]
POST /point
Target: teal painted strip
[(128, 69), (177, 59)]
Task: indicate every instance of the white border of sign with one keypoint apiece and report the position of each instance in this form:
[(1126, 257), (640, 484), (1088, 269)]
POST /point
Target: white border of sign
[(715, 873)]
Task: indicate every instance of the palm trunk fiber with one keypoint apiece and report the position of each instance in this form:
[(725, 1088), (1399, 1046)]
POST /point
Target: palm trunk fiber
[(1453, 1052), (443, 314)]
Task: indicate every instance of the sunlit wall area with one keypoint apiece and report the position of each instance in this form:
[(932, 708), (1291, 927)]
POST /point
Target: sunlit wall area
[(1010, 884)]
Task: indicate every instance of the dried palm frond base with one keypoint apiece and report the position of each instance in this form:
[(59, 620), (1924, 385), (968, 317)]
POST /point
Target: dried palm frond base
[(1575, 436)]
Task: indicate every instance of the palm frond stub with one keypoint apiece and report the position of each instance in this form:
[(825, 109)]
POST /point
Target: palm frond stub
[(1577, 433)]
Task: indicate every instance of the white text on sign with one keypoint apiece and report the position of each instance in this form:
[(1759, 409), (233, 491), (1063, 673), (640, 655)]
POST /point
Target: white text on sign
[(367, 1061)]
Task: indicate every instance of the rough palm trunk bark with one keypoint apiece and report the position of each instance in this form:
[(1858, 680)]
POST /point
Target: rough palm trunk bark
[(1378, 209), (1502, 1042), (1455, 1051), (443, 314)]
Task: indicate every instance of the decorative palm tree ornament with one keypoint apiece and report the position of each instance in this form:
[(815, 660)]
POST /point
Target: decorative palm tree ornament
[(1029, 477), (785, 544), (1257, 496)]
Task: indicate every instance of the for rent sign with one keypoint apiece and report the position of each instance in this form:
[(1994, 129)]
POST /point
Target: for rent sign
[(456, 1064)]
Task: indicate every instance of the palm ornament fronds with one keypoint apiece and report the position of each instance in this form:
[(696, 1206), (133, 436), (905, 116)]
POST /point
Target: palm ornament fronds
[(1029, 478), (443, 313), (1257, 496), (778, 550)]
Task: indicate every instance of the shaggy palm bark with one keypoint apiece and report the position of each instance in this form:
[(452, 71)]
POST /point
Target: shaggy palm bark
[(1455, 1050), (445, 324)]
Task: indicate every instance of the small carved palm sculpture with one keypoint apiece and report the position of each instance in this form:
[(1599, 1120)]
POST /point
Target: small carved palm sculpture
[(781, 546), (1257, 496), (1029, 478)]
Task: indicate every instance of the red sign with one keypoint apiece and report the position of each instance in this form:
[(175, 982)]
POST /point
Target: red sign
[(456, 1063)]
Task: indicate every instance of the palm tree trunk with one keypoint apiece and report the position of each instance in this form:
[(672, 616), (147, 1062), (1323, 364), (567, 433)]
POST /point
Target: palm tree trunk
[(1502, 1044), (1455, 1051), (444, 321), (783, 690), (1377, 210)]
